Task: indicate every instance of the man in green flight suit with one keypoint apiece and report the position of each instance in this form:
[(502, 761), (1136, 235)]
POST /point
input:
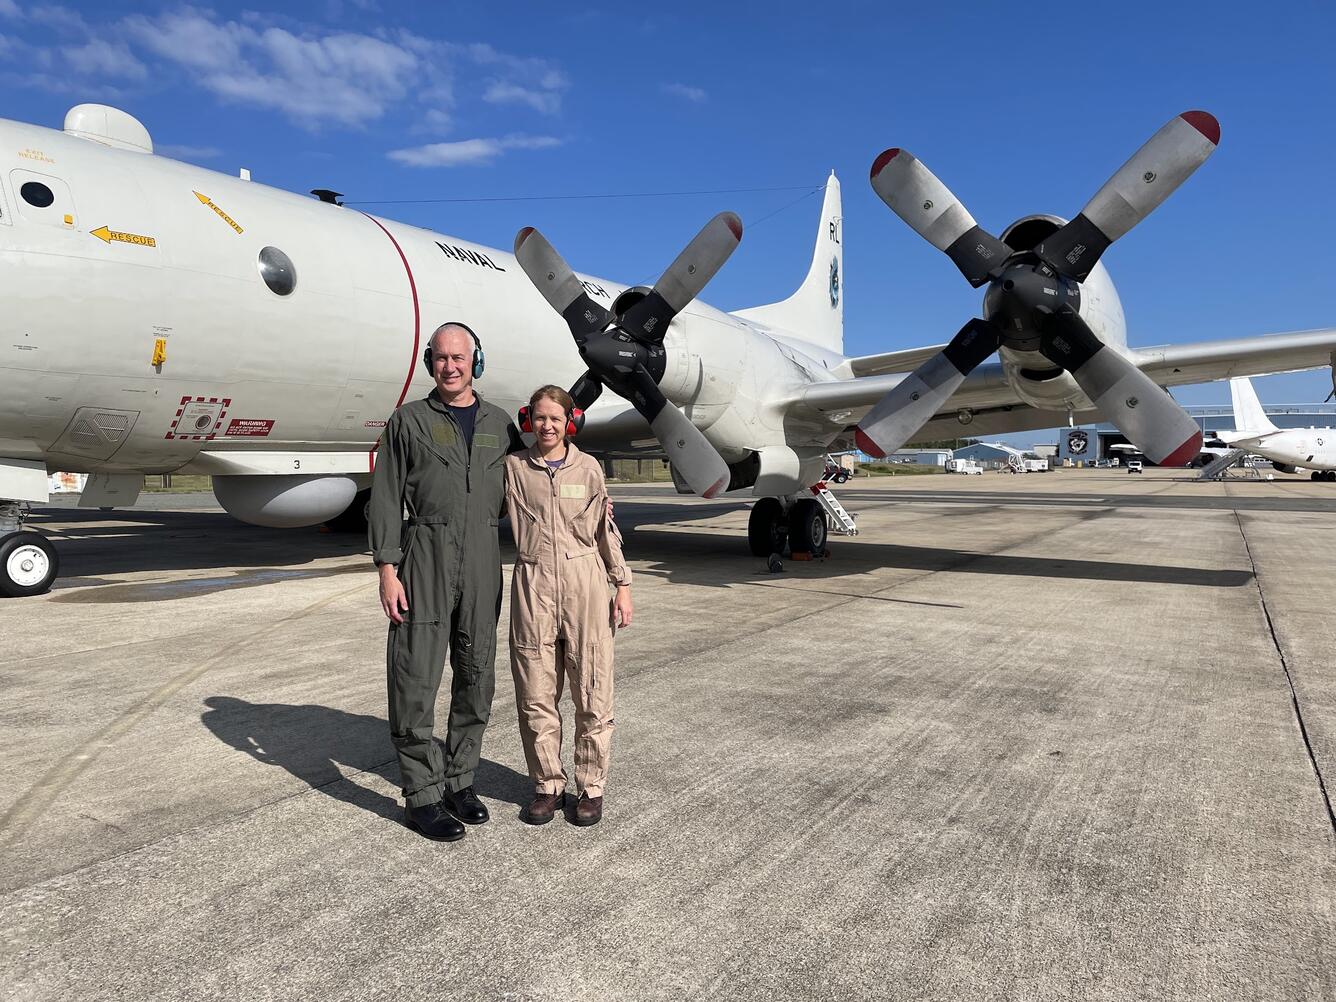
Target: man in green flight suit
[(442, 459)]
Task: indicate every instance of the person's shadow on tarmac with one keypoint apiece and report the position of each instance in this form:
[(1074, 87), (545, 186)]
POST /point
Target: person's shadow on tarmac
[(311, 741)]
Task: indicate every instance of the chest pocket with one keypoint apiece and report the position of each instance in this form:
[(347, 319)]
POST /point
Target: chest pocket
[(582, 514), (526, 527)]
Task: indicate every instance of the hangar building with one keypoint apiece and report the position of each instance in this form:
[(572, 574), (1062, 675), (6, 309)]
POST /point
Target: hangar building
[(1089, 443)]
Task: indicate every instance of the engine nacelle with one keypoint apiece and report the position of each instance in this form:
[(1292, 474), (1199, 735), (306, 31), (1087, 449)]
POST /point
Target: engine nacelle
[(778, 470), (1284, 468), (287, 501)]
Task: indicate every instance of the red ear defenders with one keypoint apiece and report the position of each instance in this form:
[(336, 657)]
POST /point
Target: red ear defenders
[(479, 359), (573, 424)]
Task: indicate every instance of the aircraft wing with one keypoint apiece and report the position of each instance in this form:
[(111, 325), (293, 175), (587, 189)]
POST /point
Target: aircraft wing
[(995, 409), (905, 360), (1204, 361)]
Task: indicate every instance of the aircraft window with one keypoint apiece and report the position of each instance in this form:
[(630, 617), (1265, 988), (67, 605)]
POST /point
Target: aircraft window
[(277, 271), (36, 193)]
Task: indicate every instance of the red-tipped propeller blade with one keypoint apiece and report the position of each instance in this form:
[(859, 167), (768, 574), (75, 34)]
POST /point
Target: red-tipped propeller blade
[(649, 318), (916, 195), (916, 398), (1152, 174), (1151, 419)]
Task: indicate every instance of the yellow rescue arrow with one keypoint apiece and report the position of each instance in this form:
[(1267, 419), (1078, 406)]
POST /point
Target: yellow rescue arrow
[(206, 200), (108, 235)]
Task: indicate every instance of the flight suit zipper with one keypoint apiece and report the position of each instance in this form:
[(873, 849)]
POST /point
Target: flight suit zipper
[(468, 492), (552, 529)]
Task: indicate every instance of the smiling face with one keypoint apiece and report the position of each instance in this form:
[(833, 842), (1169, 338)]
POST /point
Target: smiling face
[(549, 424), (452, 362)]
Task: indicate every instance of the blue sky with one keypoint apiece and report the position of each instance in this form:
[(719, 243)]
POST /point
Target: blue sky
[(1019, 109)]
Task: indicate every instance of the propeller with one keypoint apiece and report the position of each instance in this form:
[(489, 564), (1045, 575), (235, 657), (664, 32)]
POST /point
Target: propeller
[(1033, 298), (624, 347)]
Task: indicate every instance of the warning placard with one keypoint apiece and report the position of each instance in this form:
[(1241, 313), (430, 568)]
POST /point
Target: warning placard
[(249, 428), (198, 418)]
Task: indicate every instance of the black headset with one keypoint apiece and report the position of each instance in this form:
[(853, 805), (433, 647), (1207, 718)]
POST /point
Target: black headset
[(479, 359)]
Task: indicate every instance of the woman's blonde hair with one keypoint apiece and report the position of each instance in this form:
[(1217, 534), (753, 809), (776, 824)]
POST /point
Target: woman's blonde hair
[(554, 393)]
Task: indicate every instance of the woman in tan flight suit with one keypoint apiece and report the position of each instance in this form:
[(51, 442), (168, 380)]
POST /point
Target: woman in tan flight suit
[(561, 614)]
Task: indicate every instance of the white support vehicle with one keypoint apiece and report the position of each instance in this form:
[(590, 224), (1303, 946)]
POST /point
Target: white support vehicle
[(966, 466)]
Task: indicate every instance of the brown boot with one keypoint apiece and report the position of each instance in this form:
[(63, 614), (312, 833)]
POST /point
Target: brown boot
[(543, 807), (589, 811)]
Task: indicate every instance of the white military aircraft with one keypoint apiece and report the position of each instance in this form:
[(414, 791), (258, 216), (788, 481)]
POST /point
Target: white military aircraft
[(160, 317), (1288, 449)]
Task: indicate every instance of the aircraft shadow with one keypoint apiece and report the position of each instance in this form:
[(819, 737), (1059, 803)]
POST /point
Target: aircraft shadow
[(723, 559), (183, 540), (311, 741)]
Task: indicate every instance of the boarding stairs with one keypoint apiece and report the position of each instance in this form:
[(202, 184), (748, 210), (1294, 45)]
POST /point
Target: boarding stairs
[(1015, 463), (838, 520), (1218, 468)]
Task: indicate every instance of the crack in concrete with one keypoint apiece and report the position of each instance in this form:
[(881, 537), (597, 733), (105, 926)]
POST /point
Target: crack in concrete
[(1289, 680)]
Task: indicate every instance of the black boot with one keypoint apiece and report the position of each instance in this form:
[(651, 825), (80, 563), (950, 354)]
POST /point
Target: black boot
[(434, 822), (465, 805)]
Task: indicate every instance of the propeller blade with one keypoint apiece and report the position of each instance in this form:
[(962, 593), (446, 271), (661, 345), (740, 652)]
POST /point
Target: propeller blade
[(685, 278), (1151, 419), (916, 398), (586, 390), (1136, 188), (688, 449), (553, 277), (916, 196)]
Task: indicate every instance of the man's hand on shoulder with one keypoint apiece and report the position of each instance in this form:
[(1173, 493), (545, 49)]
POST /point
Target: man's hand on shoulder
[(393, 599)]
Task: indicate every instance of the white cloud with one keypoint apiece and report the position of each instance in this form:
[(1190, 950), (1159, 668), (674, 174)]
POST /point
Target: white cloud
[(468, 151), (112, 59), (500, 92), (315, 76), (344, 77), (681, 90), (62, 19)]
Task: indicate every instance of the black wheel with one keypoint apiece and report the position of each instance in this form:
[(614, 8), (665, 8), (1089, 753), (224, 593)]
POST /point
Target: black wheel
[(807, 528), (28, 564), (766, 528), (354, 517)]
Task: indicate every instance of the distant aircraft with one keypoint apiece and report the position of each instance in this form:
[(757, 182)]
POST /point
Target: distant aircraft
[(1288, 449), (164, 318)]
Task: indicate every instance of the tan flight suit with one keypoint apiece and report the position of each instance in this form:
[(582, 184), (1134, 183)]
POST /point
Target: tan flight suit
[(568, 551)]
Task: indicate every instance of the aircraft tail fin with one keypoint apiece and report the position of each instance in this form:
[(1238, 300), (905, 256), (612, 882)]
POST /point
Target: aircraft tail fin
[(815, 313), (1248, 413)]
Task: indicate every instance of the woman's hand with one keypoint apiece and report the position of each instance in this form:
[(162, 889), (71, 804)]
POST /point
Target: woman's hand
[(622, 607)]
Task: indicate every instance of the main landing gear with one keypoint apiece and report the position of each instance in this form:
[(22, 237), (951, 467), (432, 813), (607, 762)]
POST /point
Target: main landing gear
[(1322, 475), (802, 526), (28, 561), (803, 522)]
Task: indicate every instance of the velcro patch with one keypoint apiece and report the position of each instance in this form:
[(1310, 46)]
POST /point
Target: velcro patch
[(443, 434), (486, 441), (575, 490)]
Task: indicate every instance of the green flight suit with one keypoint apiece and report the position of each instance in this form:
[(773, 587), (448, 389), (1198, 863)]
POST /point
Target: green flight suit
[(449, 561)]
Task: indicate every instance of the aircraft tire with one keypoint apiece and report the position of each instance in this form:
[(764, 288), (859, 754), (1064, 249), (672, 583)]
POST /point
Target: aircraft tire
[(29, 564), (354, 517), (807, 528), (767, 530)]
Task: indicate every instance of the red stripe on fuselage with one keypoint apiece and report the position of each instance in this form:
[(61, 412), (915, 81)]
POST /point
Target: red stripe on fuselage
[(417, 334), (417, 311)]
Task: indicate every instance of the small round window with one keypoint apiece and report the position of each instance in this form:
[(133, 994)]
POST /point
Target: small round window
[(36, 193), (277, 271)]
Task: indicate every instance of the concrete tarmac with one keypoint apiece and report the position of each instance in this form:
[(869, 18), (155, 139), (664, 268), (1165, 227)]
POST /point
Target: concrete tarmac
[(1056, 736)]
